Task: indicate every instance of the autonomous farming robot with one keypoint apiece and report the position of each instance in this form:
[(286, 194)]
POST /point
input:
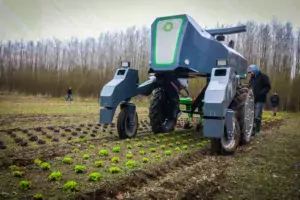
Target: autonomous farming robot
[(180, 50)]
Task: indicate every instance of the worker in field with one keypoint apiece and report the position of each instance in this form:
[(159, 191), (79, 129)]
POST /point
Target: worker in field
[(274, 99), (260, 84), (69, 93)]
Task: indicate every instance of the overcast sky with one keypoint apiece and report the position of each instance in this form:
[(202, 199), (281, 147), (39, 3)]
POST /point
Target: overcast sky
[(33, 19)]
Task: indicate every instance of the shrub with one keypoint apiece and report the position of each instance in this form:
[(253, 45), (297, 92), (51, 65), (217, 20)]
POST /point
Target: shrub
[(129, 155), (116, 149), (18, 174), (168, 152), (86, 156), (68, 160), (145, 160), (131, 164), (115, 159), (98, 163), (71, 186), (153, 149), (114, 170), (79, 169), (142, 152), (38, 197), (103, 152), (94, 176), (92, 146), (24, 185), (45, 166), (55, 176)]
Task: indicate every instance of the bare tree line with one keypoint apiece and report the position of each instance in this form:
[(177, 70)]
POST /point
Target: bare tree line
[(50, 66)]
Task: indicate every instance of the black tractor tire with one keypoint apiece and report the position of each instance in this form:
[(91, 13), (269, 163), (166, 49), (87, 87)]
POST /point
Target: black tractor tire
[(158, 110), (243, 104), (123, 124)]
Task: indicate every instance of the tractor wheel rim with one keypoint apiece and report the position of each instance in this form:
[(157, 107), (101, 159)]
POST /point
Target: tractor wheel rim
[(228, 140), (249, 115)]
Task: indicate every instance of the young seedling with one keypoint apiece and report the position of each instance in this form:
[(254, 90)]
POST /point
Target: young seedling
[(157, 157), (86, 156), (145, 160), (184, 147), (131, 164), (14, 168), (45, 166), (171, 144), (24, 185), (129, 155), (177, 149), (149, 142), (92, 146), (114, 170), (98, 163), (103, 152), (139, 144), (162, 146), (79, 169), (184, 141), (115, 159), (117, 149), (18, 174), (153, 150), (37, 161), (55, 176), (168, 152), (94, 176), (157, 141), (128, 140), (142, 152), (38, 197), (71, 186), (177, 143), (75, 150), (129, 147), (68, 160)]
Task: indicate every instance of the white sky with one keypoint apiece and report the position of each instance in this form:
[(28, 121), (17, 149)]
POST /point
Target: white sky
[(33, 19)]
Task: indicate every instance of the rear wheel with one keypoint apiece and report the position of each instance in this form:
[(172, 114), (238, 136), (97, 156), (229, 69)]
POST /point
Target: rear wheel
[(160, 110), (244, 105)]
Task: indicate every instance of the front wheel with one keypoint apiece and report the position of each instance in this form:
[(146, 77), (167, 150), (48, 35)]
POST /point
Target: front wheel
[(228, 143), (124, 127)]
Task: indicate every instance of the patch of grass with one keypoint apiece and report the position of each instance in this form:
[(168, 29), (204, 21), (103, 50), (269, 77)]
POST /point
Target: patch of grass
[(270, 169)]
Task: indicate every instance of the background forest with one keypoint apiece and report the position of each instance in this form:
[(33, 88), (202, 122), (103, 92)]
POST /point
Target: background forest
[(50, 66)]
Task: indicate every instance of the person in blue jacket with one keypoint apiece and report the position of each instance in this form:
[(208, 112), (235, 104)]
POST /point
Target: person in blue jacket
[(260, 84)]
